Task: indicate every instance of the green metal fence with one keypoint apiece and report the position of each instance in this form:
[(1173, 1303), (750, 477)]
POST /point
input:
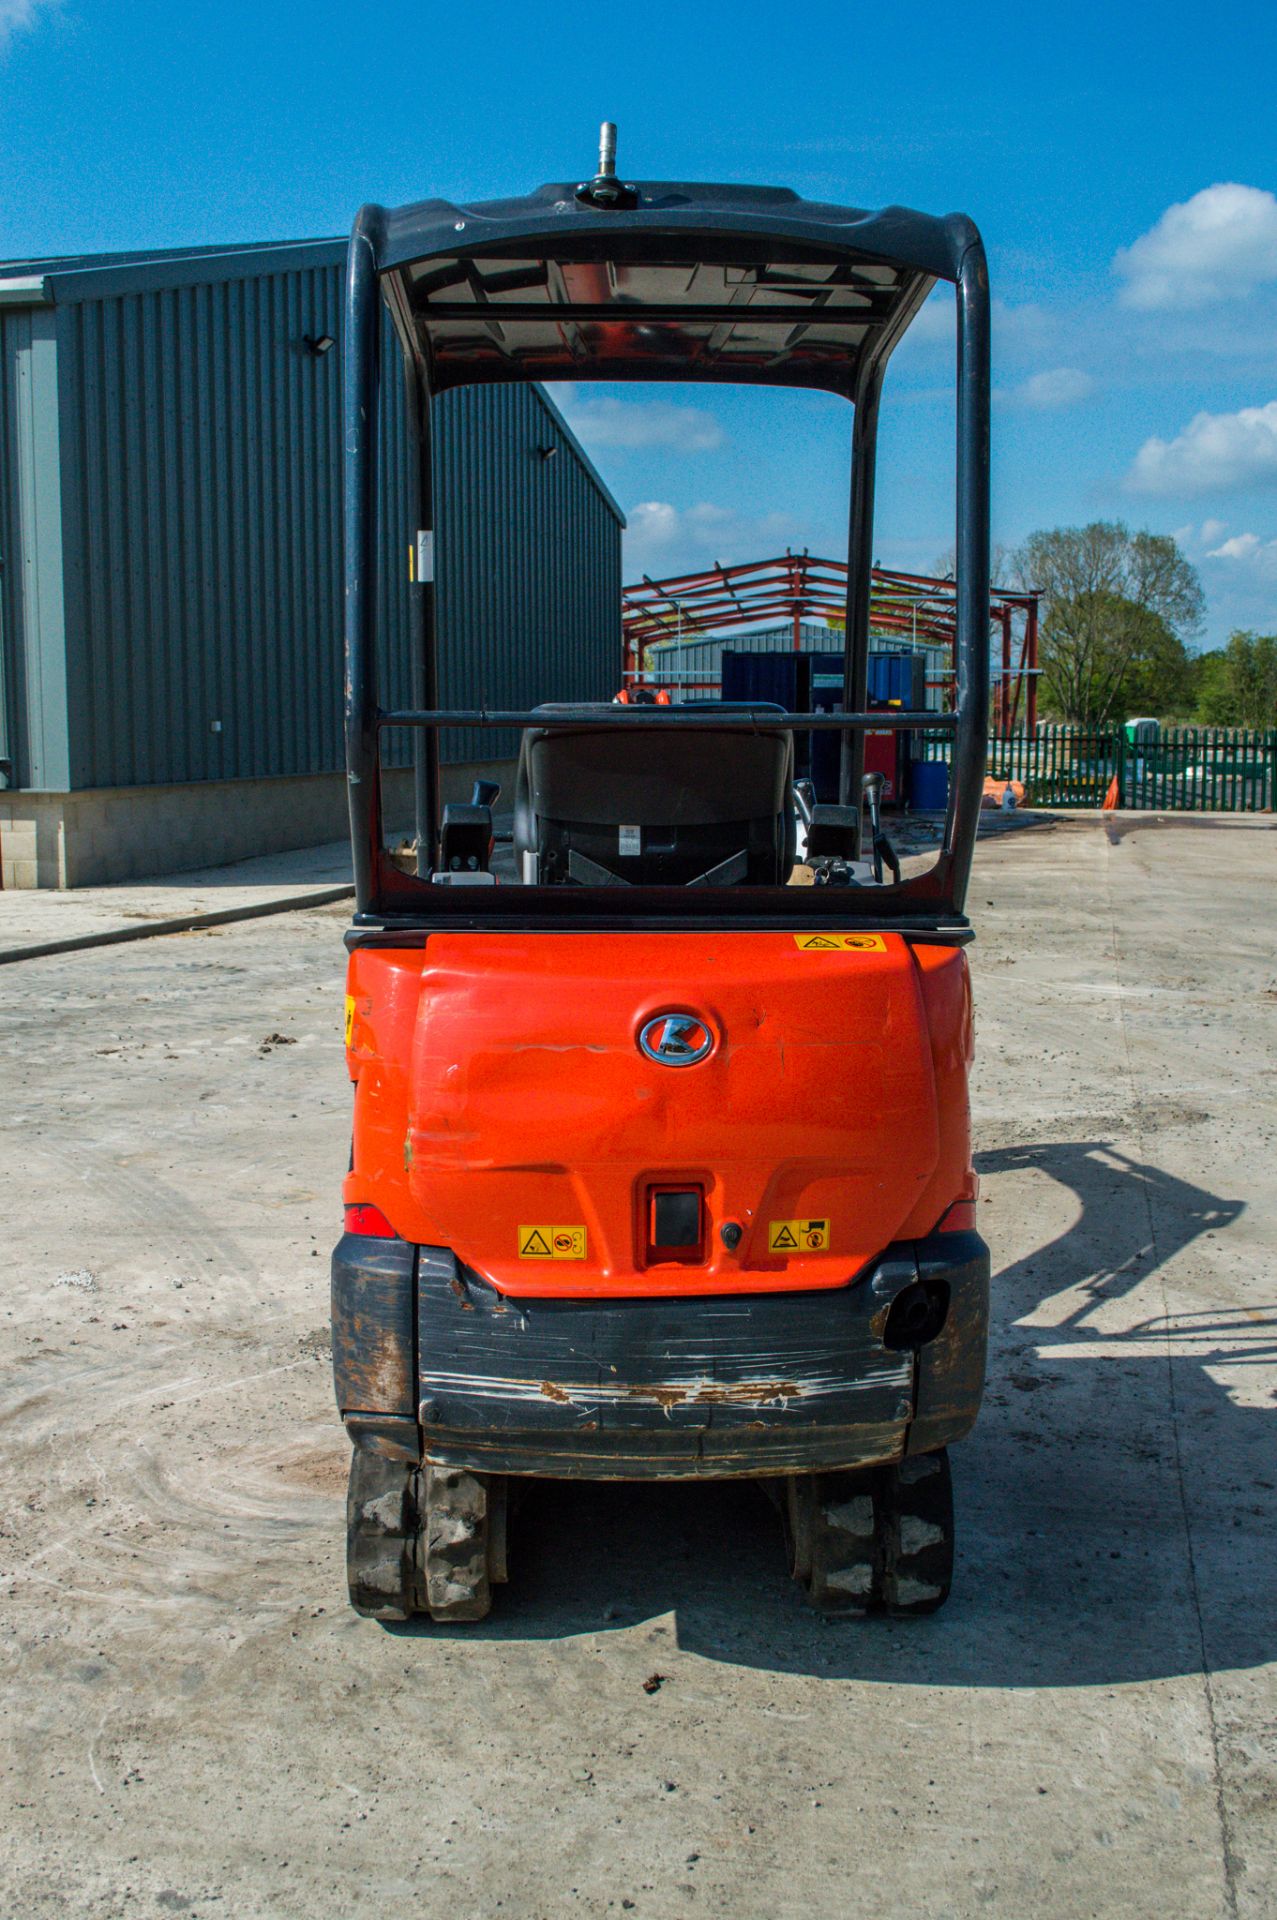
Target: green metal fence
[(1185, 769)]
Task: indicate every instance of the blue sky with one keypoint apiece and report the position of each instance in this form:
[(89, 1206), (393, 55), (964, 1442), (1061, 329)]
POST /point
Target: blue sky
[(1120, 160)]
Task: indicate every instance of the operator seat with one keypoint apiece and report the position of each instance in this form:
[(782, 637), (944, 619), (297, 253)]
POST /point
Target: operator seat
[(633, 804)]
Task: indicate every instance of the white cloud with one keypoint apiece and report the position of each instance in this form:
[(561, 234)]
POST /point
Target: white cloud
[(1196, 538), (650, 526), (1248, 551), (602, 422), (1220, 245), (1058, 387), (17, 16), (934, 319), (664, 539), (1240, 547), (1215, 451), (1024, 328)]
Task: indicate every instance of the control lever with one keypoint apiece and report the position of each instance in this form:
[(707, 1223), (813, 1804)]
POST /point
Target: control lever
[(804, 800), (871, 786)]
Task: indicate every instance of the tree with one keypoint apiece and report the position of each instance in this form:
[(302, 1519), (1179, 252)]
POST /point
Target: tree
[(1159, 679), (945, 565), (1209, 700), (1117, 607), (1237, 685)]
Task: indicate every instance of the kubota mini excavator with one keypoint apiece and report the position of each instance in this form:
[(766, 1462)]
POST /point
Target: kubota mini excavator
[(661, 1166)]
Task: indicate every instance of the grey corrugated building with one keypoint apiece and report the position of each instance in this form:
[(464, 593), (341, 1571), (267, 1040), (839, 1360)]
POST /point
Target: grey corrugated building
[(170, 538)]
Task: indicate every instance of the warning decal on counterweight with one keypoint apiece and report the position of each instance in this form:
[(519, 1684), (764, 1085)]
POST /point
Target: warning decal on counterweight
[(840, 943), (551, 1243), (798, 1236)]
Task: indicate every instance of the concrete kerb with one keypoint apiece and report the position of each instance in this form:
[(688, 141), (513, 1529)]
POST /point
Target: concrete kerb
[(182, 923)]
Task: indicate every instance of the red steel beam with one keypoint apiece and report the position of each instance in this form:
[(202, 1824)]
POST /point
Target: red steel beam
[(785, 589)]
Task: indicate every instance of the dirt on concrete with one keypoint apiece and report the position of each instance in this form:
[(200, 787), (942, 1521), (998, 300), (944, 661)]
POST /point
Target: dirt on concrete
[(194, 1723)]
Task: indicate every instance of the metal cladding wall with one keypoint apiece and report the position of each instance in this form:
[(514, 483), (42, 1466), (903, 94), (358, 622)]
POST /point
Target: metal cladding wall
[(201, 530), (32, 651), (198, 453), (529, 587), (12, 329)]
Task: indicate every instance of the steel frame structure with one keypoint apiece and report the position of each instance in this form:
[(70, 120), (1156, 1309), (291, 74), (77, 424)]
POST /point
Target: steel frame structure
[(799, 586)]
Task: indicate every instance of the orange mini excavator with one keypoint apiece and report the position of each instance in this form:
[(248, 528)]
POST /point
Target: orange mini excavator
[(661, 1164)]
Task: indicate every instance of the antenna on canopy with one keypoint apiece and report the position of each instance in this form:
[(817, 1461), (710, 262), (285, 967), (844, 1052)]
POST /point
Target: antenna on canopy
[(605, 191)]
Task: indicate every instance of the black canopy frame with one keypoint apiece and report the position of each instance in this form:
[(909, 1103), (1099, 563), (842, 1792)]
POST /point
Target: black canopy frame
[(697, 283)]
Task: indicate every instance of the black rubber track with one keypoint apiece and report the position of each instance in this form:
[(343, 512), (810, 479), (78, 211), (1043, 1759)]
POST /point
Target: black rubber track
[(381, 1536), (455, 1543), (428, 1540), (875, 1541)]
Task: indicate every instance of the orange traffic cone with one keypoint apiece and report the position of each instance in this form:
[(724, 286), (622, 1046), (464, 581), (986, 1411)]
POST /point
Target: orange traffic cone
[(1113, 798)]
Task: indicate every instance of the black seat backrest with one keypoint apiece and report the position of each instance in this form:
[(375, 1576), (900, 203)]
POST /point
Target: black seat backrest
[(656, 806)]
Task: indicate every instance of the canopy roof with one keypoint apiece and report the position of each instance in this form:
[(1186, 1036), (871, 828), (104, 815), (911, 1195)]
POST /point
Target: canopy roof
[(700, 282)]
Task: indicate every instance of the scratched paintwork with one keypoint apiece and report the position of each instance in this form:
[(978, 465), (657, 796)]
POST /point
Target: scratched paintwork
[(654, 1387), (659, 1387), (697, 1391)]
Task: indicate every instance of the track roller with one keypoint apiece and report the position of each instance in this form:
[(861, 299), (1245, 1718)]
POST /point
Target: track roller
[(875, 1541), (423, 1540)]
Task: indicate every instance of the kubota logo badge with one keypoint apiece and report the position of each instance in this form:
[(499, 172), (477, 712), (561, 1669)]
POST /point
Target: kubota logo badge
[(676, 1039)]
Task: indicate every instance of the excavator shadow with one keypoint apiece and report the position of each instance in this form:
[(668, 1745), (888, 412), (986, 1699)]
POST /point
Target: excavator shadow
[(1114, 1502)]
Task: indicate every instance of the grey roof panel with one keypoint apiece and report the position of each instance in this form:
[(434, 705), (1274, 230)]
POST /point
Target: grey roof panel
[(92, 276)]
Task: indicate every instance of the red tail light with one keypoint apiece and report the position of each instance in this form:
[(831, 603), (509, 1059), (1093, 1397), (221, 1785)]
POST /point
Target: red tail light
[(371, 1221), (960, 1218)]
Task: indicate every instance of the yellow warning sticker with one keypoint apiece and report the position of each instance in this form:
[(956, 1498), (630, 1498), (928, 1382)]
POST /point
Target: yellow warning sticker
[(840, 943), (350, 1017), (798, 1236), (551, 1243)]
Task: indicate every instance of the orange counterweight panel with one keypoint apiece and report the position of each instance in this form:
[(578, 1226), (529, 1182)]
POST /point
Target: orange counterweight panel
[(505, 1109)]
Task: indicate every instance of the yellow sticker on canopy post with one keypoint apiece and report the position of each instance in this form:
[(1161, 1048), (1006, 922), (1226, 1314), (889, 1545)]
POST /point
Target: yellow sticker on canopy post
[(840, 943), (552, 1243), (798, 1236)]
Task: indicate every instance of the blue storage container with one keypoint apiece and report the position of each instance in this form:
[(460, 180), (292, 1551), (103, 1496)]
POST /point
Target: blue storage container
[(929, 786), (784, 678), (889, 676)]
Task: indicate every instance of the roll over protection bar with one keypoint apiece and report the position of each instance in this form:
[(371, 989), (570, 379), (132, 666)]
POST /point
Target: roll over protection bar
[(473, 296)]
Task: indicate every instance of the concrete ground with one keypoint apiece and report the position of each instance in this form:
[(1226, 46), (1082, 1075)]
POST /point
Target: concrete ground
[(195, 1724)]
